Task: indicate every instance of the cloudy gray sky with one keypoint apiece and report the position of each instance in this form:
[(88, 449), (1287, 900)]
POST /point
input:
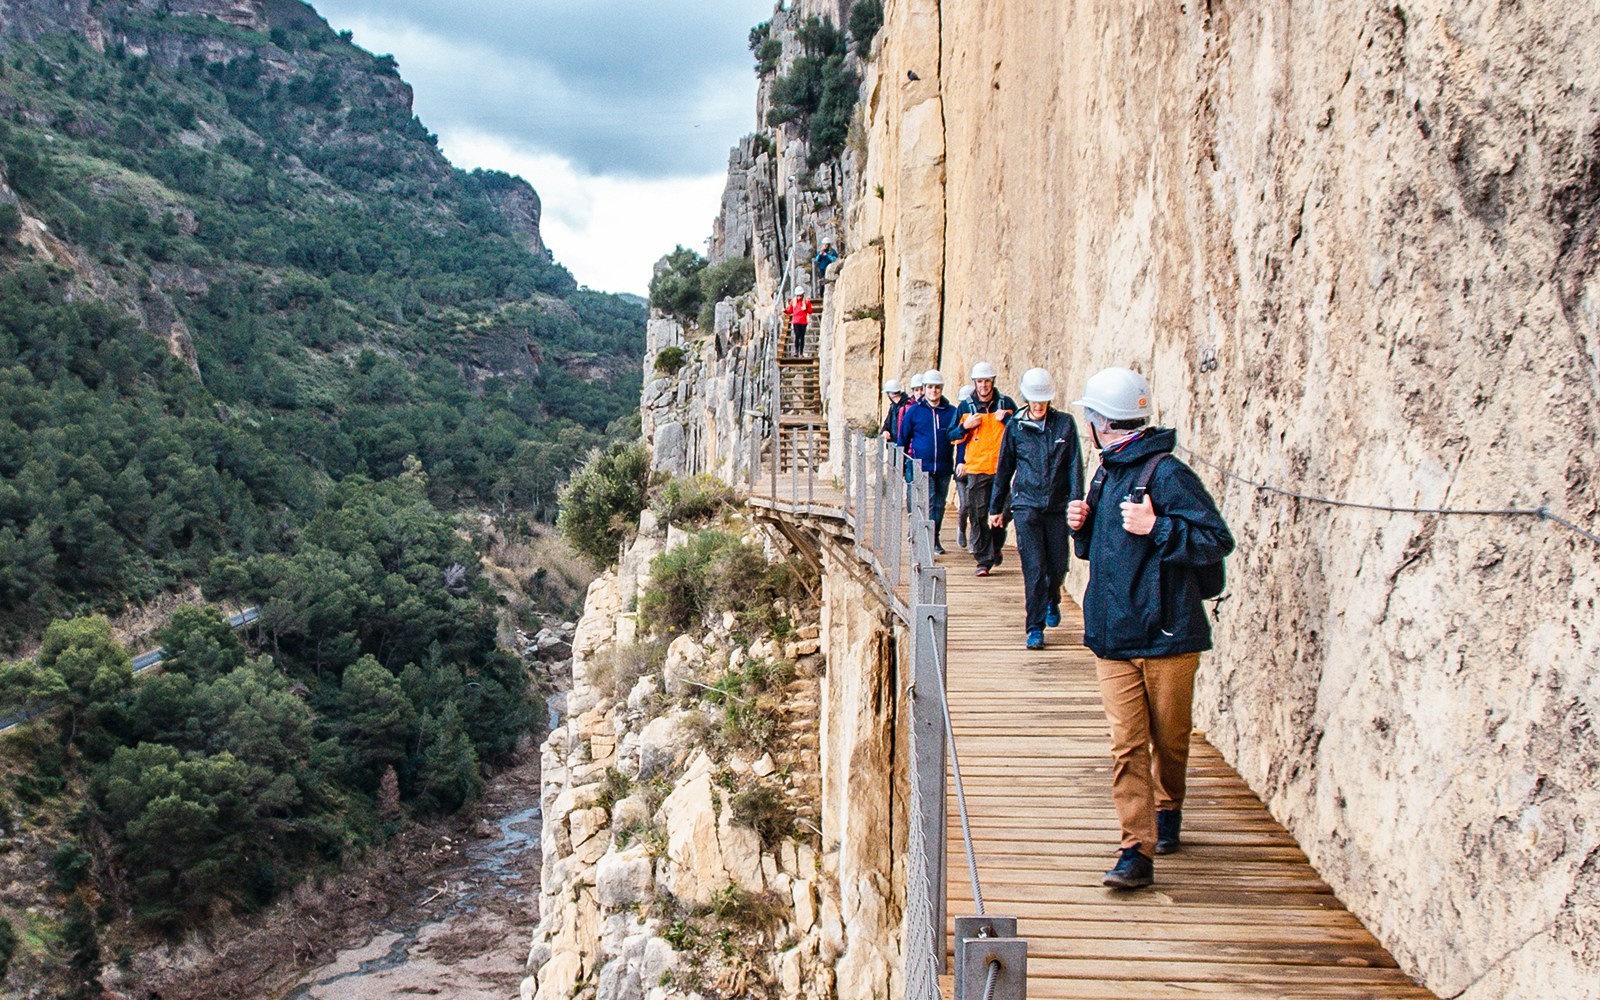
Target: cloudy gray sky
[(620, 112)]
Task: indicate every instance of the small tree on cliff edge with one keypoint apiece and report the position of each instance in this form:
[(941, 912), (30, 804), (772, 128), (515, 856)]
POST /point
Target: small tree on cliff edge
[(601, 502), (819, 90)]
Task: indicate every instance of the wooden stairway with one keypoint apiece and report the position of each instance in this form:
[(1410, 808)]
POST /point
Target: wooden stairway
[(802, 431)]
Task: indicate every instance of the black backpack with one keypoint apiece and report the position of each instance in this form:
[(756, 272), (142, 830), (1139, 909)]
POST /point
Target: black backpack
[(1212, 578)]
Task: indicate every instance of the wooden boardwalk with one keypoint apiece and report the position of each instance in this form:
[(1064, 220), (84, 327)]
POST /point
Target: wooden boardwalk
[(1239, 912)]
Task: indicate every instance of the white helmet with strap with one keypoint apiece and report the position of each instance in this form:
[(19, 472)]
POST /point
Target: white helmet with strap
[(1117, 394)]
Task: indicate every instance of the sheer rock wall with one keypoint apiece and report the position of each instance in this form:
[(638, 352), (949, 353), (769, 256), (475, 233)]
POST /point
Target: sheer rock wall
[(1353, 245)]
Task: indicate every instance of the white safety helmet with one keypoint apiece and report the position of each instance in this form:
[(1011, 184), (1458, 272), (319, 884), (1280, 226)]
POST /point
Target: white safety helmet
[(1117, 394), (932, 377), (983, 369), (1037, 386), (800, 291), (965, 393), (916, 381), (891, 387)]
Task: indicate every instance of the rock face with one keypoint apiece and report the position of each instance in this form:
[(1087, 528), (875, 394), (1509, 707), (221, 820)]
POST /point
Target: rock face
[(649, 860), (1354, 247)]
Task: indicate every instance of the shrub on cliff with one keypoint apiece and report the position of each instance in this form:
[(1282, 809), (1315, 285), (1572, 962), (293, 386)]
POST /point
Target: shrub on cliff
[(601, 503), (866, 17), (765, 48), (671, 361), (726, 280), (676, 289), (819, 90), (715, 572), (689, 499)]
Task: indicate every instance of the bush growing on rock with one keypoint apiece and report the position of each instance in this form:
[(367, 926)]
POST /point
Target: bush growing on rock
[(866, 17), (671, 361), (618, 668), (602, 501), (713, 573), (729, 279), (819, 90), (676, 288), (690, 499)]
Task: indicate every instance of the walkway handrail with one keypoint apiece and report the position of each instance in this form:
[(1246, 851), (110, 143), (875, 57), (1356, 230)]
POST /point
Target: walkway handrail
[(886, 496)]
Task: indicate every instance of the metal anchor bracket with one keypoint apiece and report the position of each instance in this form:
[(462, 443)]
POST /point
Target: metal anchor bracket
[(980, 941)]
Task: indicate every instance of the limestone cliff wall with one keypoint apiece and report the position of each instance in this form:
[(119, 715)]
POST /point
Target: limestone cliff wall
[(655, 884), (1353, 245)]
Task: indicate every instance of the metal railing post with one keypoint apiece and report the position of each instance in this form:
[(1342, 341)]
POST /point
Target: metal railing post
[(929, 630), (755, 452), (811, 467), (860, 461)]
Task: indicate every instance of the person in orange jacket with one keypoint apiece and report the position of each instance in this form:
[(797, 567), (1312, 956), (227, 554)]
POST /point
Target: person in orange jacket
[(980, 427), (799, 312)]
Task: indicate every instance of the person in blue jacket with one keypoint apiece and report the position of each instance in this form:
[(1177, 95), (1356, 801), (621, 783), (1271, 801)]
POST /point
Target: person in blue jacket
[(925, 434), (1143, 616)]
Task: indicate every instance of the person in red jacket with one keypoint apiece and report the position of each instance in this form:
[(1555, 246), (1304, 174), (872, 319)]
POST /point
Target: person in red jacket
[(799, 312)]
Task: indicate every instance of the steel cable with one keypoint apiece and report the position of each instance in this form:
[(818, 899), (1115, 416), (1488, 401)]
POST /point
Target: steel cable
[(1543, 513), (955, 767)]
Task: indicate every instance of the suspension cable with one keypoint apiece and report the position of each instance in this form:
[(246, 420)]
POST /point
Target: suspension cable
[(955, 766), (1542, 513)]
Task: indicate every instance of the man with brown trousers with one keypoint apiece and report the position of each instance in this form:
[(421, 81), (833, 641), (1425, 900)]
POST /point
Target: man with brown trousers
[(1155, 542)]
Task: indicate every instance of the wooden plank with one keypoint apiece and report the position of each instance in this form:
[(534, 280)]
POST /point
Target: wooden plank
[(1237, 913)]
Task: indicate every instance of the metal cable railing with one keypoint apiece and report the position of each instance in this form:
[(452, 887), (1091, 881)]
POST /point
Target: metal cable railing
[(883, 497)]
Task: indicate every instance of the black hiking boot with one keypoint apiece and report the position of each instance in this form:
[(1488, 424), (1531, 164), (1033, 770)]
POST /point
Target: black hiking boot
[(1168, 823), (1133, 871)]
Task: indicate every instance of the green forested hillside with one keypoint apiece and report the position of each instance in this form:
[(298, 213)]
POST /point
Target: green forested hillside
[(256, 335), (236, 269)]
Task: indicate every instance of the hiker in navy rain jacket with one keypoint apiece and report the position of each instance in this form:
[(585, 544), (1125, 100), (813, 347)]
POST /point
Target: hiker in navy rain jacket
[(1142, 599), (1149, 531), (925, 434)]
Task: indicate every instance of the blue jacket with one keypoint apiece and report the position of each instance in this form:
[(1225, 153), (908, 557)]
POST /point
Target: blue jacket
[(1142, 598), (925, 434)]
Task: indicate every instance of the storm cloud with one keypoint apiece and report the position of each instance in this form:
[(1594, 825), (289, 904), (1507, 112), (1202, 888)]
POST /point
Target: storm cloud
[(624, 89)]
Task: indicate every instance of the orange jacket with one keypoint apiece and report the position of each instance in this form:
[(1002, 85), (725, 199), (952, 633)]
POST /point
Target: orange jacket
[(983, 441)]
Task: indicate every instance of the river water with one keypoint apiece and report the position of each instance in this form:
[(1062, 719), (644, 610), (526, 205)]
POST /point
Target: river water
[(465, 934)]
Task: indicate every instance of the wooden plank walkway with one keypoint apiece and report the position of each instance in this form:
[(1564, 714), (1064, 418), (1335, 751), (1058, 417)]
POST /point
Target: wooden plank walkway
[(1239, 912)]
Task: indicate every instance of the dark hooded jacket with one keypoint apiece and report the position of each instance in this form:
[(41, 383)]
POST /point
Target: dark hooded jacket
[(1040, 465), (1142, 599)]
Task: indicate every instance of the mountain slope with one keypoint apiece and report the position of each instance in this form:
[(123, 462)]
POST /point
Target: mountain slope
[(235, 268)]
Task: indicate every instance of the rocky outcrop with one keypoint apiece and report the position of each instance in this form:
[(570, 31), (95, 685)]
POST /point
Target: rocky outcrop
[(658, 879), (1354, 247)]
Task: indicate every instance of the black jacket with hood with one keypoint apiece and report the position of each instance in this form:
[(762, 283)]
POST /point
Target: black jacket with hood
[(1040, 465), (1142, 599)]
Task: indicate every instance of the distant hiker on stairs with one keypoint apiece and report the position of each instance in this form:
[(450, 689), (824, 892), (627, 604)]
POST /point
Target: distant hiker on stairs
[(925, 434), (799, 312), (980, 428), (1039, 470), (1153, 537)]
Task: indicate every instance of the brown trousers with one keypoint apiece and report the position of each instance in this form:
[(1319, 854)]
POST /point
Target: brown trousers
[(1149, 704)]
